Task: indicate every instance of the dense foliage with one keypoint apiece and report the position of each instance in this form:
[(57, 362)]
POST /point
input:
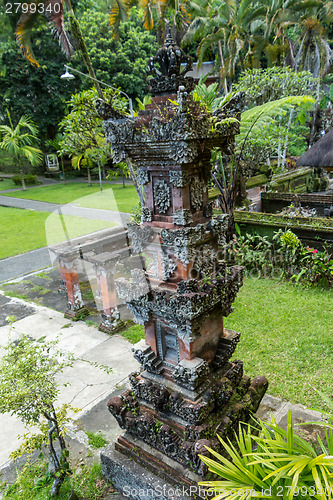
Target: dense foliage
[(36, 92), (122, 61), (283, 256)]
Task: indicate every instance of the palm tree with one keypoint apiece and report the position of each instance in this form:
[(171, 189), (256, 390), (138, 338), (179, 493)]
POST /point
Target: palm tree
[(154, 14), (226, 26), (18, 142)]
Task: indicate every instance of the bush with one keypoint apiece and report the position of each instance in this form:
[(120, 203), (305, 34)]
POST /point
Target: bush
[(28, 179), (283, 256)]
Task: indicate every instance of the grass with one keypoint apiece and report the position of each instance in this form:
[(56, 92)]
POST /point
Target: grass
[(25, 230), (134, 333), (287, 336), (114, 196), (96, 440), (7, 184), (34, 483)]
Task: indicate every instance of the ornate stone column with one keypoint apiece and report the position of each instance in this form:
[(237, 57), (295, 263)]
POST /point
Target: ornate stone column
[(188, 389)]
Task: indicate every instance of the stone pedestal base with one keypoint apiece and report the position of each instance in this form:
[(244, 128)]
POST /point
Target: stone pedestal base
[(76, 315), (111, 329), (158, 477)]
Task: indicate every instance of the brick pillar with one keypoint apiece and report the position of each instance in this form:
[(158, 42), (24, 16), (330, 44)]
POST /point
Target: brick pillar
[(62, 282), (69, 273), (106, 285)]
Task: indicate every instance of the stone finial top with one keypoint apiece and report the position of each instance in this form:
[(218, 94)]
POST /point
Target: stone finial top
[(167, 68)]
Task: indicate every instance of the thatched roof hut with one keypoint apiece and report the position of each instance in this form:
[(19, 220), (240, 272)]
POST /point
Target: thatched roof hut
[(320, 154)]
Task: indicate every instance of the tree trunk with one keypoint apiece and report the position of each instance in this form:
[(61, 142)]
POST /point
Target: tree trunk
[(223, 79), (100, 175), (136, 185), (287, 138), (24, 188), (89, 177), (76, 31)]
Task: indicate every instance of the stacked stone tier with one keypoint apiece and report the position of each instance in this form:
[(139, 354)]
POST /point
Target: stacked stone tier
[(182, 428)]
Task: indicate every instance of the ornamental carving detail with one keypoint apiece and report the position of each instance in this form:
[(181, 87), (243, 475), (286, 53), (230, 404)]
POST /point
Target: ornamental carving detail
[(196, 193), (191, 377), (208, 210), (148, 359), (140, 237), (162, 196), (179, 178), (182, 217), (205, 261), (146, 215), (142, 176), (183, 152), (168, 267)]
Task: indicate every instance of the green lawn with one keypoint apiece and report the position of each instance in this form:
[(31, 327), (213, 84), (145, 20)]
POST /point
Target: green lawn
[(7, 184), (24, 230), (286, 335), (114, 196)]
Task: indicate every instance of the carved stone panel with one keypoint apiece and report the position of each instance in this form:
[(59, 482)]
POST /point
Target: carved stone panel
[(162, 196), (142, 176), (178, 178), (196, 193)]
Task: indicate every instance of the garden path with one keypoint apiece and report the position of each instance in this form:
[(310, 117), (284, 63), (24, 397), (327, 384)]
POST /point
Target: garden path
[(22, 264)]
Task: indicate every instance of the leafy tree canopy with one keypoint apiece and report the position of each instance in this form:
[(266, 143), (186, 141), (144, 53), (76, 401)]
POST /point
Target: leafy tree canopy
[(121, 62), (263, 85), (37, 92)]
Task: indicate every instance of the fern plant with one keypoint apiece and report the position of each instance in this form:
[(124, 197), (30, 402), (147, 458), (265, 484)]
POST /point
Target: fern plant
[(274, 464)]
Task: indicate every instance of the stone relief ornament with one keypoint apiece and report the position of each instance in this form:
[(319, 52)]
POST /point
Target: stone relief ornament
[(140, 237), (178, 178), (182, 217), (183, 152), (168, 267), (111, 321), (148, 359), (146, 215), (162, 196), (205, 260), (191, 376), (196, 193), (142, 176), (208, 210)]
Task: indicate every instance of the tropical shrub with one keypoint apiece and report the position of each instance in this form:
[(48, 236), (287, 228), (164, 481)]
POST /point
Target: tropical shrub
[(272, 463), (28, 179), (282, 256)]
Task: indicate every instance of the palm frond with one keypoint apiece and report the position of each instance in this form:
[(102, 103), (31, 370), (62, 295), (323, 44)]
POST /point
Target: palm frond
[(23, 35), (118, 13), (54, 13), (33, 155), (259, 116)]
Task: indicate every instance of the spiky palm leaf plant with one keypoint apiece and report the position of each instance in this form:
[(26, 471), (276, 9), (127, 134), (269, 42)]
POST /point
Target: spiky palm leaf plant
[(273, 464)]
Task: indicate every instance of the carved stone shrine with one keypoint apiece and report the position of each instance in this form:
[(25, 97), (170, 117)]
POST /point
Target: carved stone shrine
[(188, 390)]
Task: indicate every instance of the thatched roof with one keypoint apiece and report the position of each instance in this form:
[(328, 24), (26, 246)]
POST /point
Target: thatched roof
[(320, 154)]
